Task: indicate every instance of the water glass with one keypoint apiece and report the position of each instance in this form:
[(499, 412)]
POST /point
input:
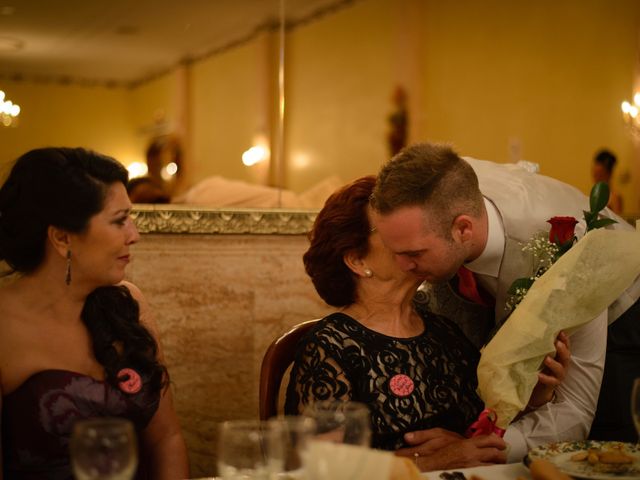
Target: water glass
[(341, 422), (104, 449), (295, 432), (249, 450), (338, 451)]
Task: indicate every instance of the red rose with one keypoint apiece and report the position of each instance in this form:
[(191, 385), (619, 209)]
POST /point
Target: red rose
[(562, 229)]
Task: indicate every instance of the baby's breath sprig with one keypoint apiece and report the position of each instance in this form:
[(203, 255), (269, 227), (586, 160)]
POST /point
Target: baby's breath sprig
[(545, 248), (544, 253)]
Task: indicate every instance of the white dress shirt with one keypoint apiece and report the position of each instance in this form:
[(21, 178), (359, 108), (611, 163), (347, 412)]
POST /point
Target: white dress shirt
[(568, 417)]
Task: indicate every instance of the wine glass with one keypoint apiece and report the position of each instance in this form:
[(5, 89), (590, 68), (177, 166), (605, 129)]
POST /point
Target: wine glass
[(295, 433), (341, 422), (103, 449), (249, 449), (339, 448), (635, 405)]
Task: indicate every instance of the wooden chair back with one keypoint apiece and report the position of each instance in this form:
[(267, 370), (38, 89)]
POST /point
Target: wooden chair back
[(277, 359)]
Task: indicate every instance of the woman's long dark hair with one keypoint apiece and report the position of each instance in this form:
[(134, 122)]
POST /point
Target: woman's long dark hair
[(64, 188), (112, 317)]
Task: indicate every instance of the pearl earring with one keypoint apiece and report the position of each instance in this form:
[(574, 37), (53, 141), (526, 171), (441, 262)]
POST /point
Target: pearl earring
[(368, 273)]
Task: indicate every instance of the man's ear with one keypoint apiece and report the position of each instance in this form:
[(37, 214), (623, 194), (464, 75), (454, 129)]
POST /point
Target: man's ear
[(462, 229), (354, 262), (60, 240)]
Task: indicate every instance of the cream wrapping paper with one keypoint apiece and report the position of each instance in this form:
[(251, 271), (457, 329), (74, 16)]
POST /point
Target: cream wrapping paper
[(578, 287), (339, 461), (346, 462)]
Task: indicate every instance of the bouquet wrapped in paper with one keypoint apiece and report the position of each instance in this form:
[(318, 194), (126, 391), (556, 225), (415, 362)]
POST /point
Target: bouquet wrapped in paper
[(339, 461), (573, 291)]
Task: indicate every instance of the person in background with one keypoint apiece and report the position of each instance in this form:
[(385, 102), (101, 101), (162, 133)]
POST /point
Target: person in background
[(439, 213), (164, 172), (164, 158), (76, 340), (415, 370), (602, 171), (398, 121), (146, 190)]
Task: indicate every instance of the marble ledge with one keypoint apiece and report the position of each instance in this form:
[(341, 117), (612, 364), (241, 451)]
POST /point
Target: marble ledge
[(219, 301)]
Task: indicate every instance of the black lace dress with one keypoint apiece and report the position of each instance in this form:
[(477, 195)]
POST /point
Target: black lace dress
[(409, 384)]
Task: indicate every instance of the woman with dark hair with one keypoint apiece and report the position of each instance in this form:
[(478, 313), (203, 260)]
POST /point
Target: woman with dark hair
[(415, 371), (76, 341)]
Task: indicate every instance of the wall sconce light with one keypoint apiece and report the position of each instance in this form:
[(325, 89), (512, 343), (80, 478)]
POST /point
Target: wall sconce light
[(169, 171), (631, 114), (254, 155), (137, 169), (9, 111)]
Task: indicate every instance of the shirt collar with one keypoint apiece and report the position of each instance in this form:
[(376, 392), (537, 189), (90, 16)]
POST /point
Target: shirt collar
[(488, 263)]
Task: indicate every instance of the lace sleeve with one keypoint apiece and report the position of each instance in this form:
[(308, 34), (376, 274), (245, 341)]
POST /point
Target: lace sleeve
[(317, 374)]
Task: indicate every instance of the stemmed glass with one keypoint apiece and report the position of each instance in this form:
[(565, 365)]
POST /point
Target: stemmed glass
[(345, 423), (341, 422), (249, 449), (635, 405), (103, 449), (295, 433)]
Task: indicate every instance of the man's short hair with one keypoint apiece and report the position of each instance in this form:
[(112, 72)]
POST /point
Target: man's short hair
[(433, 177)]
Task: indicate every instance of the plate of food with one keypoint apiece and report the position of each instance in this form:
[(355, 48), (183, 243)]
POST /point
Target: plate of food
[(591, 459)]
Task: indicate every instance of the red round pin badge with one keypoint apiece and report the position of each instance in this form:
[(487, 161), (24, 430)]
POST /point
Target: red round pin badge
[(401, 385), (133, 384)]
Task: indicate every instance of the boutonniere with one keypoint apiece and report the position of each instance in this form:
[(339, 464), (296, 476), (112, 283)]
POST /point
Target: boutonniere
[(546, 248)]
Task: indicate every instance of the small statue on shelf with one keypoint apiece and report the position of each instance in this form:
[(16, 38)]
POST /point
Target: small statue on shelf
[(399, 121)]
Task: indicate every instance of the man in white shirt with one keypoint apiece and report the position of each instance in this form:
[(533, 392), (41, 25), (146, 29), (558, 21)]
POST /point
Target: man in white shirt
[(437, 212)]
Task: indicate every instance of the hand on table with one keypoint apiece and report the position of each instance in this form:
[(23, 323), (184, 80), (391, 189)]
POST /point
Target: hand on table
[(439, 449)]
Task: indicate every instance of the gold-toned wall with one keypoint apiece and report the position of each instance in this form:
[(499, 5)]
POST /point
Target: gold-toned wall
[(227, 109), (153, 108), (541, 81), (548, 76), (69, 115), (339, 81)]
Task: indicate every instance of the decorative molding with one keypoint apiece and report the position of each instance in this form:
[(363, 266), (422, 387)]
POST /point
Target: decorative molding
[(202, 220)]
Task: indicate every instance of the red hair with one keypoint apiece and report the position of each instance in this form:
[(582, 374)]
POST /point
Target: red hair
[(341, 226)]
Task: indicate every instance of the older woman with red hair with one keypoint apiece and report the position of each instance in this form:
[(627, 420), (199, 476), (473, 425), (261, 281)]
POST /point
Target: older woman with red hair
[(415, 371)]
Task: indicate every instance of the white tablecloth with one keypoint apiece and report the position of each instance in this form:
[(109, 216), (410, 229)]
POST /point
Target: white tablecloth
[(509, 471)]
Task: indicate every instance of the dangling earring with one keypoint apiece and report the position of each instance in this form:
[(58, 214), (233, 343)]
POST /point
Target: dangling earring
[(368, 273), (67, 278)]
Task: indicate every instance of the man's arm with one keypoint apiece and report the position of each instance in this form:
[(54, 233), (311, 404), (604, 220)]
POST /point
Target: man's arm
[(570, 415)]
